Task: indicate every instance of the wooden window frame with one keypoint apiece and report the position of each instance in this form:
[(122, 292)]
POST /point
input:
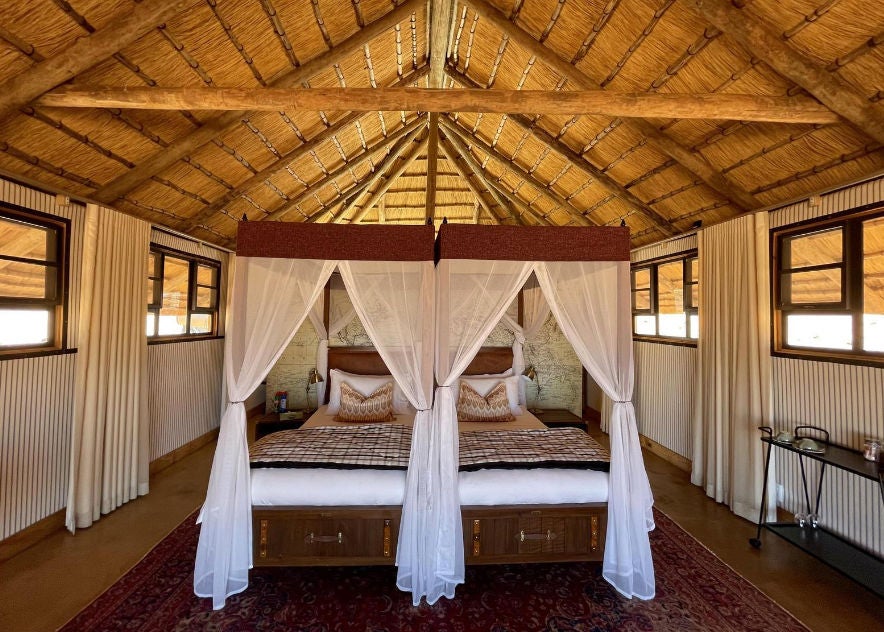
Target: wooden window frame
[(193, 261), (851, 304), (690, 309), (57, 305)]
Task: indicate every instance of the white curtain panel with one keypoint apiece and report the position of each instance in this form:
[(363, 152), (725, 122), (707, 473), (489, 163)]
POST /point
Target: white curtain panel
[(109, 447), (271, 299), (471, 297), (535, 311), (591, 302), (395, 302), (733, 386)]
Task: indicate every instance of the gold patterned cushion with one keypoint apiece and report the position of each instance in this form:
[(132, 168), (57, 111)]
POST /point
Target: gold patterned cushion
[(493, 407), (356, 407)]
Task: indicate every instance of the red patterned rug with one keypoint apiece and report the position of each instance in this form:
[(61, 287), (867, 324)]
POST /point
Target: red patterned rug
[(695, 591)]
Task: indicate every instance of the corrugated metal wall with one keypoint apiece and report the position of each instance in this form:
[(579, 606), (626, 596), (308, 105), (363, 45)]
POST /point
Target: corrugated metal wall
[(184, 391), (665, 374), (36, 394), (664, 393), (36, 398), (36, 408)]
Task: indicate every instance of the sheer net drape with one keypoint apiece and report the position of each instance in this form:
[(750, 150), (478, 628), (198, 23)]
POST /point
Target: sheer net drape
[(591, 302), (394, 301), (109, 447), (340, 315), (535, 311), (471, 297), (271, 301), (733, 389)]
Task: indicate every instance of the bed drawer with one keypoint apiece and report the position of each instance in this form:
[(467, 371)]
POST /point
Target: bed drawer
[(324, 536), (542, 533)]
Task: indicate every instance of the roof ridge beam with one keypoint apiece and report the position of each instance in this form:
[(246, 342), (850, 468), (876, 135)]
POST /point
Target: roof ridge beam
[(839, 95), (124, 29), (696, 164), (212, 128)]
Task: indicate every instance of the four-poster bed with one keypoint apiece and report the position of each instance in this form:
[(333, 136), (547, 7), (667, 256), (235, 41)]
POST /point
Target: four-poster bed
[(427, 321)]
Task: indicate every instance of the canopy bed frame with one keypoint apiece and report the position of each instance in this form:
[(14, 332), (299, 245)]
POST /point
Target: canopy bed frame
[(367, 535), (428, 323)]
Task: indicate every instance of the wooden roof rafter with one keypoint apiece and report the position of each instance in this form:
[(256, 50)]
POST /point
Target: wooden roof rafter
[(694, 163), (452, 155), (840, 96), (216, 126)]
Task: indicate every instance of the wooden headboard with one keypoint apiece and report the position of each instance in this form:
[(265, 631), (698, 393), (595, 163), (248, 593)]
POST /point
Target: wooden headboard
[(367, 361)]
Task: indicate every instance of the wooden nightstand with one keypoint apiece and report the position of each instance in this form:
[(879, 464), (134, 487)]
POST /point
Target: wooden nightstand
[(559, 417), (270, 422)]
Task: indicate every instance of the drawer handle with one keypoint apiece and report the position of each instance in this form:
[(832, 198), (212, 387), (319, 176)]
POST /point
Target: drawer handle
[(262, 540), (387, 539), (325, 538), (548, 536), (594, 533), (477, 537)]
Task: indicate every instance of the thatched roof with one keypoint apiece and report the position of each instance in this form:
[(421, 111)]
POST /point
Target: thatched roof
[(201, 168)]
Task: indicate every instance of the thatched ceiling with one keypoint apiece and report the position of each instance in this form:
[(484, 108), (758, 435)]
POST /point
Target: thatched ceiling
[(235, 153)]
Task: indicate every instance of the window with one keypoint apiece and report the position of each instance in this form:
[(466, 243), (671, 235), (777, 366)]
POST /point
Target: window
[(33, 262), (829, 288), (182, 294), (664, 298)]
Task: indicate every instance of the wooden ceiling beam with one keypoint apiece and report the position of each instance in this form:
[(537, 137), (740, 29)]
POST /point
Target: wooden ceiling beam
[(130, 25), (441, 22), (839, 95), (743, 107), (693, 162), (402, 137), (510, 163), (452, 155), (580, 161), (432, 159), (404, 164), (212, 128)]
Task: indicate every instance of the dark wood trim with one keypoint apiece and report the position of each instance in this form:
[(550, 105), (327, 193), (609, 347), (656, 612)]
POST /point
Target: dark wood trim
[(161, 463), (823, 355), (162, 340), (677, 342), (665, 453), (35, 354), (31, 535)]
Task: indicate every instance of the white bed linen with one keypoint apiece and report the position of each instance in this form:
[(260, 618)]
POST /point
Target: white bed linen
[(332, 487)]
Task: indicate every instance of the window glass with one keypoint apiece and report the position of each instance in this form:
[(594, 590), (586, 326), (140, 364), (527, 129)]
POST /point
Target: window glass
[(31, 280), (646, 325), (873, 285), (819, 331), (664, 298), (819, 286), (695, 326), (819, 248), (22, 327), (642, 300), (181, 295)]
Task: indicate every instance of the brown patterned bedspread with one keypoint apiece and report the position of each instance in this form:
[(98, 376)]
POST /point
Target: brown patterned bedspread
[(387, 446)]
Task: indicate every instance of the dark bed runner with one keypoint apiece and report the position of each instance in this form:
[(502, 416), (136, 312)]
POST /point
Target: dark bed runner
[(387, 446)]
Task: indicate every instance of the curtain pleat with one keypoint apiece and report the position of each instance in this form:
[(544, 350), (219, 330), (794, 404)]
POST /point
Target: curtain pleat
[(733, 386), (109, 447)]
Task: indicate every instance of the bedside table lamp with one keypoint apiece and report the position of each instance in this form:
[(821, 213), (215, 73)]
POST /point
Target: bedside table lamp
[(312, 378), (531, 374)]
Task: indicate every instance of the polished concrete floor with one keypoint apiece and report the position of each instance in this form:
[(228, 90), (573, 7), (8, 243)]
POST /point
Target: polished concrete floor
[(43, 587)]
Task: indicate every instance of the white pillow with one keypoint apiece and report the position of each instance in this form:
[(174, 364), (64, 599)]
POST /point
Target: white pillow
[(484, 383), (365, 385)]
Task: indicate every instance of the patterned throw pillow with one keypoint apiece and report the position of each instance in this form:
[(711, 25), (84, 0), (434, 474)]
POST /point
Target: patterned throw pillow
[(493, 407), (356, 407)]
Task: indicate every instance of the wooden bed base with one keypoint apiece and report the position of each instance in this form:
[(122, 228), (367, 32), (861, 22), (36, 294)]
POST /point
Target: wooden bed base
[(360, 536)]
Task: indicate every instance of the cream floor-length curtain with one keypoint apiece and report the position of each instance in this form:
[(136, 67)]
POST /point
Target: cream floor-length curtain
[(109, 447), (733, 386), (591, 302), (271, 299)]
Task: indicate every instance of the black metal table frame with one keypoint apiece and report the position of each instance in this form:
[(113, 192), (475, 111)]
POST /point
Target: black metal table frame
[(837, 456)]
